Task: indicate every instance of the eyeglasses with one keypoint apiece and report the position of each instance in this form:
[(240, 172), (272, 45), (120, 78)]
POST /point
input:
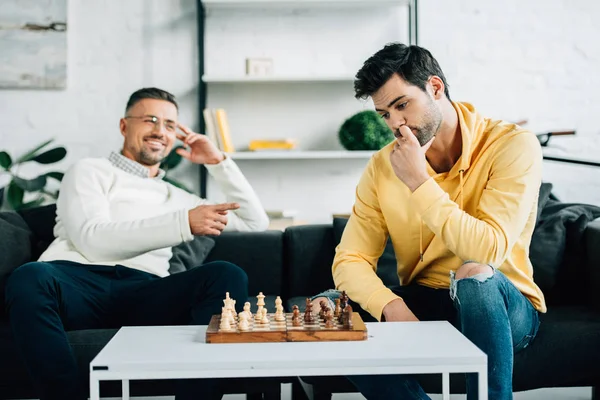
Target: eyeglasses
[(170, 125)]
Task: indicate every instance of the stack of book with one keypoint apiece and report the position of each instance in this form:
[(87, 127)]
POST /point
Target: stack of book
[(217, 129), (262, 145)]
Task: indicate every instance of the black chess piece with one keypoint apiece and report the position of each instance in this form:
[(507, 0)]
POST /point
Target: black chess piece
[(308, 315), (347, 317)]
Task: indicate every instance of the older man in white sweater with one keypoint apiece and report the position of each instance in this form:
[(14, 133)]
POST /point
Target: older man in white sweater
[(117, 220)]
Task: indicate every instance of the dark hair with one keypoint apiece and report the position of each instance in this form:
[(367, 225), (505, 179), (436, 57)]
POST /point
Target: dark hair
[(150, 93), (414, 64)]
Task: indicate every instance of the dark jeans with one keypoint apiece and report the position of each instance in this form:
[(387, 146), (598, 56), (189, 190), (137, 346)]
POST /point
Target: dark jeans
[(45, 299), (489, 311)]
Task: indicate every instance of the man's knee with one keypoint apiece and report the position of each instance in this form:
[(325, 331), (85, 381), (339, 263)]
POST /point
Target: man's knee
[(471, 269), (27, 277), (227, 271)]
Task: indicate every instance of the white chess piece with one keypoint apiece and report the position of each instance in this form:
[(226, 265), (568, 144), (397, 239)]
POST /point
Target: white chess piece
[(224, 325), (264, 319), (279, 315), (247, 309), (260, 304), (261, 299), (244, 326)]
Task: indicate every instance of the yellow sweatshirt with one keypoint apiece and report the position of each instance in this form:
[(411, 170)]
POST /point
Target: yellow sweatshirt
[(482, 210)]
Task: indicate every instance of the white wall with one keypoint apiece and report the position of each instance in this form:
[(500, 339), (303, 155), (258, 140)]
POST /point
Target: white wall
[(114, 48), (534, 59)]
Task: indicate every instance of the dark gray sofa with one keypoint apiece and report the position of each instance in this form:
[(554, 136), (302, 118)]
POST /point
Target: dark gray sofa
[(296, 264)]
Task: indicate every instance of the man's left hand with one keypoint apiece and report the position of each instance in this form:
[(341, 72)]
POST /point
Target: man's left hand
[(201, 149), (408, 159)]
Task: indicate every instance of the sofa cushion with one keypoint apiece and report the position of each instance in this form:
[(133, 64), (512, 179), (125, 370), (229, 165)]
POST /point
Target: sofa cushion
[(41, 221), (387, 267), (15, 247), (259, 254), (189, 255)]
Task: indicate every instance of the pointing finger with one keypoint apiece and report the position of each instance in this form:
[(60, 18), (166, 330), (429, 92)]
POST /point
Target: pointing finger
[(226, 206)]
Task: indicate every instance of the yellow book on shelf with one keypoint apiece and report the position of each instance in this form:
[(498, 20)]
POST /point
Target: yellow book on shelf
[(224, 133), (210, 127), (284, 144)]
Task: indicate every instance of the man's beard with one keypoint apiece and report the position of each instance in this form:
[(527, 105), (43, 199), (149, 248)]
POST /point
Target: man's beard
[(148, 157), (431, 125)]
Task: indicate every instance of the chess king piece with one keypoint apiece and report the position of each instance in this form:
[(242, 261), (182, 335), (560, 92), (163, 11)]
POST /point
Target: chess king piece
[(279, 315), (296, 316), (229, 305), (260, 304), (243, 325), (308, 316), (343, 300)]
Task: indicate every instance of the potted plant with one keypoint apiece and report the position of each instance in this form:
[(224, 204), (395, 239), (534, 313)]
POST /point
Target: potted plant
[(18, 188), (365, 130)]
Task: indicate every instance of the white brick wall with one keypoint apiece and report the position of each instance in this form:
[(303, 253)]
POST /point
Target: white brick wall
[(534, 59)]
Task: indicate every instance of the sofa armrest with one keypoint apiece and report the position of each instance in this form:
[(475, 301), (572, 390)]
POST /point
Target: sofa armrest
[(592, 259)]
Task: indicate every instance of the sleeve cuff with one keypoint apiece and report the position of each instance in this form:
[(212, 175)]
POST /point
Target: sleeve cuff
[(186, 231), (426, 196), (221, 167), (378, 301)]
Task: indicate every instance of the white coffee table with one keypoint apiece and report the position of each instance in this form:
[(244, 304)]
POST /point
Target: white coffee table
[(180, 352)]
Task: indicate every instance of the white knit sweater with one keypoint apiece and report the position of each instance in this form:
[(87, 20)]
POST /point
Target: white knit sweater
[(108, 216)]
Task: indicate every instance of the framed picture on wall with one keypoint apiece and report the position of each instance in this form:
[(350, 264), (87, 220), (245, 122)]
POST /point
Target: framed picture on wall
[(33, 39)]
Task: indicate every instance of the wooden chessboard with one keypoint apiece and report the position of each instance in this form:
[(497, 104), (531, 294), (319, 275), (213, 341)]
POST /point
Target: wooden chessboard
[(284, 331)]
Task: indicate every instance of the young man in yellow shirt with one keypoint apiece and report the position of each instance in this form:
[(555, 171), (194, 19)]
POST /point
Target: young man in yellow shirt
[(457, 195)]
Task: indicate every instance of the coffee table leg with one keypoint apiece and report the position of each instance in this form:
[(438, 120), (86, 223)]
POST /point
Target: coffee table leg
[(94, 388), (483, 383), (446, 386), (125, 389)]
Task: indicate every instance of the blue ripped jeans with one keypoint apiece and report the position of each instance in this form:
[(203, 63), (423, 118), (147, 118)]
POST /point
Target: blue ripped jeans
[(487, 308)]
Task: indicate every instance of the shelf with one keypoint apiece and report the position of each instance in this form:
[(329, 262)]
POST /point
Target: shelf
[(275, 79), (300, 155), (302, 3)]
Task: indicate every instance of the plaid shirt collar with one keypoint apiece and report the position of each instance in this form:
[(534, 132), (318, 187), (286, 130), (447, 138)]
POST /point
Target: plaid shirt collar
[(132, 167)]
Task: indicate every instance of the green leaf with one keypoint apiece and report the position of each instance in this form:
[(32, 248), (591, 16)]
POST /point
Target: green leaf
[(1, 196), (5, 160), (51, 156), (30, 185), (14, 196), (56, 175), (32, 153), (33, 203), (177, 184), (172, 160)]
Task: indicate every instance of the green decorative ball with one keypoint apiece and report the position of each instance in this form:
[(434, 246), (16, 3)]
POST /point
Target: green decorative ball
[(365, 130)]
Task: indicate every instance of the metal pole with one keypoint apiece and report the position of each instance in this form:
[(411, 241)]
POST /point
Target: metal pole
[(201, 89)]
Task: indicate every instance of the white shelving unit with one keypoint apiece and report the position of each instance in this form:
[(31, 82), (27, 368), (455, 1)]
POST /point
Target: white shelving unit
[(316, 48), (301, 155), (215, 4), (276, 79)]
